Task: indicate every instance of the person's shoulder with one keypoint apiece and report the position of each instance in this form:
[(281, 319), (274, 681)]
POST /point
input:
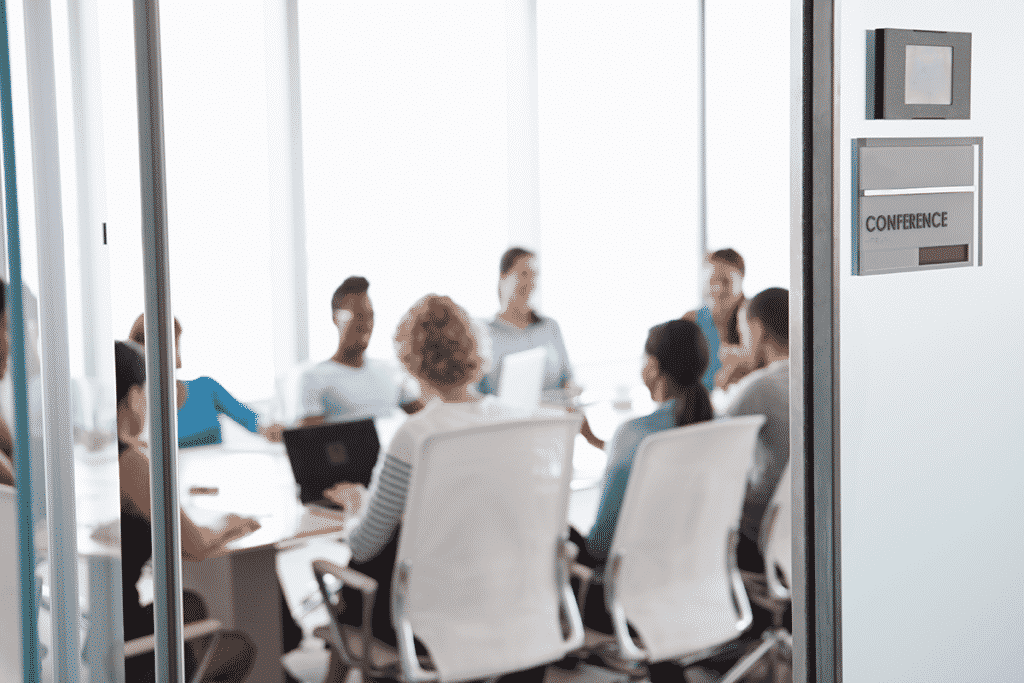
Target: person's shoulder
[(766, 384), (204, 382), (690, 316), (320, 369), (630, 433)]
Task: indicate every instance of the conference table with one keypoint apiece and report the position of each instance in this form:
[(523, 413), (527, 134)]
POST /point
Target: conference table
[(250, 477), (239, 582)]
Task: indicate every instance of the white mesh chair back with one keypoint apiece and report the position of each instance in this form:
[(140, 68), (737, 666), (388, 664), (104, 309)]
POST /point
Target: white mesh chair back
[(669, 561), (479, 576), (10, 588), (778, 560)]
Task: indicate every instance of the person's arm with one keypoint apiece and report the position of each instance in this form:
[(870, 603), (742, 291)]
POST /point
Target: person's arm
[(383, 512), (6, 471), (196, 542), (225, 403)]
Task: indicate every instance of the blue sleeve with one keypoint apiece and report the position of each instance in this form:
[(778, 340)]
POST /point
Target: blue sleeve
[(384, 511), (230, 406), (622, 448)]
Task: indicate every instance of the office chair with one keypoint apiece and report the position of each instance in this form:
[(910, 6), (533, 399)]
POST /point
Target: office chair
[(671, 576), (773, 592), (481, 577)]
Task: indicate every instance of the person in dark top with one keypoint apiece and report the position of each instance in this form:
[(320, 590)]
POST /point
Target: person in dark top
[(235, 652)]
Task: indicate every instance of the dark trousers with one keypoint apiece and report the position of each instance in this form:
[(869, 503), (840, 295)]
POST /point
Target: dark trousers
[(232, 660), (595, 611)]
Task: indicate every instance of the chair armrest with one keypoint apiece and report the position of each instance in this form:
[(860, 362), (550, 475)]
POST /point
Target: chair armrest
[(362, 583), (586, 576), (191, 631), (739, 590), (411, 668), (565, 555), (628, 648)]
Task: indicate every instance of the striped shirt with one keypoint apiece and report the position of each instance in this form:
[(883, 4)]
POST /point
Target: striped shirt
[(388, 493)]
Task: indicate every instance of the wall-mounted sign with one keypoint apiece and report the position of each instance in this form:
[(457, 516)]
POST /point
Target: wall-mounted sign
[(919, 74), (917, 204)]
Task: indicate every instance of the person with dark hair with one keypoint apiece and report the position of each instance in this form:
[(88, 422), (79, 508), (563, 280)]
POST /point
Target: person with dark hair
[(441, 347), (348, 386), (720, 318), (235, 653), (517, 327), (201, 400), (764, 392), (676, 358)]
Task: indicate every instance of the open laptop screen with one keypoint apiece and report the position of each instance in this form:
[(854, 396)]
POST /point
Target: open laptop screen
[(324, 455)]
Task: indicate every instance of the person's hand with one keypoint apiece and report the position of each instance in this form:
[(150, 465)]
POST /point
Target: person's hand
[(589, 435), (346, 495), (237, 526), (273, 433)]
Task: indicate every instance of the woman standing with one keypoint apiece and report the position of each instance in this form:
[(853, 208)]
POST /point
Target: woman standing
[(518, 327), (720, 319)]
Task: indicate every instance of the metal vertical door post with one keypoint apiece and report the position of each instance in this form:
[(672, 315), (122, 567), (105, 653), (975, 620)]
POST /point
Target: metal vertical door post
[(702, 143), (523, 128), (166, 516), (22, 454), (53, 332), (287, 189)]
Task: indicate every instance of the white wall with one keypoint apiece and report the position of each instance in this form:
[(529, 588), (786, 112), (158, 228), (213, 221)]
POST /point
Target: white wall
[(930, 374)]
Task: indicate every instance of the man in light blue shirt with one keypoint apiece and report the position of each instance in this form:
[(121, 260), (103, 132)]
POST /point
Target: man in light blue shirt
[(348, 386)]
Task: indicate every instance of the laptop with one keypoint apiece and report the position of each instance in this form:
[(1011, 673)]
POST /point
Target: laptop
[(324, 455), (522, 378)]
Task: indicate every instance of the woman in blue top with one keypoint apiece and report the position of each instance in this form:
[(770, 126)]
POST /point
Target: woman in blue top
[(201, 400), (676, 360), (719, 319)]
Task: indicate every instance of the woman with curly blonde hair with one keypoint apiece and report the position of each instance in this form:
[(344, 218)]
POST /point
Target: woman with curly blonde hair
[(447, 353)]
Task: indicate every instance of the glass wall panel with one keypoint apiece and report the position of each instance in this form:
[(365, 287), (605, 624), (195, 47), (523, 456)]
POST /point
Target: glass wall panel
[(618, 176), (406, 156), (215, 104), (748, 114)]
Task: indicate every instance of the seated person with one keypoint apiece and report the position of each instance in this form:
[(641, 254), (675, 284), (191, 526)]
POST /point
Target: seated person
[(235, 653), (348, 386), (437, 343), (201, 400), (721, 319), (764, 392), (677, 357)]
